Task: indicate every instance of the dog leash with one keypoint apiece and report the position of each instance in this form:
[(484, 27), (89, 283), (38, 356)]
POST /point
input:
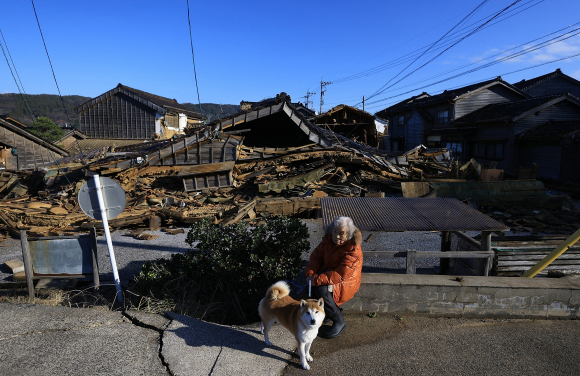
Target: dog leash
[(299, 288)]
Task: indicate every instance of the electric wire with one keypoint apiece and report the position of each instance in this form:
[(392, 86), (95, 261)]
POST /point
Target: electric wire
[(489, 78), (530, 48), (54, 76), (399, 45), (32, 116), (497, 54), (12, 61), (385, 87), (433, 45), (527, 50), (193, 59), (407, 57)]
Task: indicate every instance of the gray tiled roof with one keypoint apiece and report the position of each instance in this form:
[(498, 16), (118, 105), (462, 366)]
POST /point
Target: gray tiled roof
[(506, 110), (551, 131)]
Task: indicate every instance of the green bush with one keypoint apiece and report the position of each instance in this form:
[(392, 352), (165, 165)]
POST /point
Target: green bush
[(225, 274)]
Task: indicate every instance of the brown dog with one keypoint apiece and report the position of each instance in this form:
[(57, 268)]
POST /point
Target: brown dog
[(301, 318)]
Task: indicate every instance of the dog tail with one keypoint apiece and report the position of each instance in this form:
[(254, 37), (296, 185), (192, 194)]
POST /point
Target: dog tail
[(278, 290)]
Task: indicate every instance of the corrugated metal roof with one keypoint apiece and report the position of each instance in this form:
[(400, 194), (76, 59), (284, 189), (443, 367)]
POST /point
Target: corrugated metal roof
[(408, 214)]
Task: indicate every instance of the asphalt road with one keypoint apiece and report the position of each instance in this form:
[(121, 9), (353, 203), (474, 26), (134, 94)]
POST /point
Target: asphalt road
[(446, 346)]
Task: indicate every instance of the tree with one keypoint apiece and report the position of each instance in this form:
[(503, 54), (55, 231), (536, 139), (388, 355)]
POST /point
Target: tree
[(48, 130)]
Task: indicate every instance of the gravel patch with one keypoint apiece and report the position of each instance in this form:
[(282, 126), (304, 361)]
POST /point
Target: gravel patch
[(132, 253)]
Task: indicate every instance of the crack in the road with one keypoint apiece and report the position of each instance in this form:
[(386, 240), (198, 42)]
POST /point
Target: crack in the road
[(141, 324), (63, 330)]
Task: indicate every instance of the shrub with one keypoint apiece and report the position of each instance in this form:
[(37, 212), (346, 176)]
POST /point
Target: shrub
[(226, 275)]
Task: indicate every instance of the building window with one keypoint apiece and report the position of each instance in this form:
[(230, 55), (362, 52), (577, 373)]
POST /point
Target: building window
[(433, 141), (401, 119), (488, 150), (443, 117), (455, 147), (395, 146)]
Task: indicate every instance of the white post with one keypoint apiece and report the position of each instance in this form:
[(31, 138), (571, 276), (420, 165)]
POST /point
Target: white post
[(103, 211), (309, 288)]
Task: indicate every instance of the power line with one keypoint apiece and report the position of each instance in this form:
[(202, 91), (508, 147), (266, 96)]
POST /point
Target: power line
[(54, 76), (527, 50), (399, 45), (451, 38), (384, 87), (193, 58), (503, 74), (431, 46), (498, 54), (12, 61)]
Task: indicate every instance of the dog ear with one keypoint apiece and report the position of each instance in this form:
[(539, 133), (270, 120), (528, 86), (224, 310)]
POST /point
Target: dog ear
[(303, 303), (321, 302)]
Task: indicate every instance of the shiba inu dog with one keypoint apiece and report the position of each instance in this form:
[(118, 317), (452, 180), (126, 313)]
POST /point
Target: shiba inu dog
[(301, 318)]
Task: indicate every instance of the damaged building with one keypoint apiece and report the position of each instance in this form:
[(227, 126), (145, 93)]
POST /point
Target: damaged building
[(495, 128), (127, 113), (425, 119), (22, 150), (352, 123)]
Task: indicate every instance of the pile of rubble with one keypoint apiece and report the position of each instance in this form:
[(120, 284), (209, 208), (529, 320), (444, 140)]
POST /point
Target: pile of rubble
[(232, 169), (286, 182)]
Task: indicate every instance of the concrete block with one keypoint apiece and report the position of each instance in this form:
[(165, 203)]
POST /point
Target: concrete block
[(354, 305), (411, 293), (453, 309), (502, 297), (402, 306), (469, 296), (574, 298), (439, 293), (380, 291)]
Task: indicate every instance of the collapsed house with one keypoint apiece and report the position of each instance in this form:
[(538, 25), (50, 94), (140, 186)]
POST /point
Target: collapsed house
[(267, 160), (272, 158), (350, 122), (22, 150)]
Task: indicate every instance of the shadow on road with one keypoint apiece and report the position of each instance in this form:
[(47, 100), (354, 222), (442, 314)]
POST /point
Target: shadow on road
[(200, 334)]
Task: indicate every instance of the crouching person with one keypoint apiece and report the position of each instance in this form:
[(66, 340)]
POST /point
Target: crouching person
[(335, 271)]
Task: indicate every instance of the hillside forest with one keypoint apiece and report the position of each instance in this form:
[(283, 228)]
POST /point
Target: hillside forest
[(50, 106)]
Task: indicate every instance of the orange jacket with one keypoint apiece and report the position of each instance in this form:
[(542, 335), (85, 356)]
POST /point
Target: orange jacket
[(337, 265)]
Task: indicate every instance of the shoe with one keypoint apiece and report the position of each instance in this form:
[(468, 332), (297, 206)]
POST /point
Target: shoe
[(326, 321), (337, 327)]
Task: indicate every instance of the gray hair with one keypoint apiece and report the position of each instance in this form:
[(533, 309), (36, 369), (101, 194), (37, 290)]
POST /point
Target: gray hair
[(342, 222)]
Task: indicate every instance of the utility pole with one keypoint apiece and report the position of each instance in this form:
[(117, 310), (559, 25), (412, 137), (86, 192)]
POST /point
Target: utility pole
[(363, 102), (308, 101), (322, 91)]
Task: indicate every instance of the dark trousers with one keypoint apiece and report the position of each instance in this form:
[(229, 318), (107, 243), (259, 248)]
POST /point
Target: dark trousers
[(331, 310)]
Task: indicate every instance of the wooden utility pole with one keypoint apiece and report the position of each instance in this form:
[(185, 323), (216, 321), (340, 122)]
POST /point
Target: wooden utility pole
[(322, 91), (363, 102), (308, 101)]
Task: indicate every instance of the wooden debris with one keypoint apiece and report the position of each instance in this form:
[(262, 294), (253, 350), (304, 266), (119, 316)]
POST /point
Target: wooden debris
[(145, 236), (58, 211), (174, 231), (15, 265)]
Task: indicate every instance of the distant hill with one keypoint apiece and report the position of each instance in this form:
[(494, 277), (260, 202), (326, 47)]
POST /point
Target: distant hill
[(41, 105), (214, 111), (49, 105)]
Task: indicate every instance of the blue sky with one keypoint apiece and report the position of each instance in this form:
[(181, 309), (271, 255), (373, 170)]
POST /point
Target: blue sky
[(253, 50)]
